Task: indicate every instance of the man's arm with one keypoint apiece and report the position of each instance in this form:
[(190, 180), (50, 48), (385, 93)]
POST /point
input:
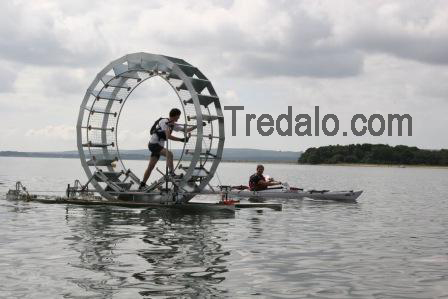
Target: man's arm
[(171, 137), (191, 128), (187, 128), (264, 184)]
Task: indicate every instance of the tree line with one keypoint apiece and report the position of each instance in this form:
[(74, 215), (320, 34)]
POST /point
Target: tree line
[(374, 154)]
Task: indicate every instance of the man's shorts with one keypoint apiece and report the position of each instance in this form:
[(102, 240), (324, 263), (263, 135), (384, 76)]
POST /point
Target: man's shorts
[(155, 149)]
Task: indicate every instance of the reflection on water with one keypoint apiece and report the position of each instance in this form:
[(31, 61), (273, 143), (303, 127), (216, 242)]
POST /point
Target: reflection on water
[(255, 225), (154, 252), (391, 244)]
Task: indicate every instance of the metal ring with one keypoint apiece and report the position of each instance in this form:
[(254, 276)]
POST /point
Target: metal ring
[(104, 100)]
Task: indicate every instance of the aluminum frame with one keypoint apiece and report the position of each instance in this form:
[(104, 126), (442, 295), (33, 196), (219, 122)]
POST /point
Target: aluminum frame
[(104, 100)]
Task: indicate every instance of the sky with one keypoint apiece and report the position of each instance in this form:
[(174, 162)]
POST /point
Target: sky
[(347, 57)]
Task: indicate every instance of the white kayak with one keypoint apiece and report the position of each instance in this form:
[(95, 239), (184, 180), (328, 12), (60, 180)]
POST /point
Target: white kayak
[(294, 194)]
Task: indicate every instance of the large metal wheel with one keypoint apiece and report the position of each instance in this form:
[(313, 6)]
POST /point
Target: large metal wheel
[(104, 101)]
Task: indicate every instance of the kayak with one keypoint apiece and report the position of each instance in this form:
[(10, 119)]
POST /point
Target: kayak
[(297, 194), (292, 194)]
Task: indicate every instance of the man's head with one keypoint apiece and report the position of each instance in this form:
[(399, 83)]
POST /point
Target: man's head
[(174, 114), (260, 169)]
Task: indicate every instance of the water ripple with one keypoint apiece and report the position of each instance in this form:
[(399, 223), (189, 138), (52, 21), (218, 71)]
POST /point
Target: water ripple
[(391, 244)]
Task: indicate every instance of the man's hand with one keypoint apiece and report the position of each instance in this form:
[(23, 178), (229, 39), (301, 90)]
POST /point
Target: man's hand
[(194, 127)]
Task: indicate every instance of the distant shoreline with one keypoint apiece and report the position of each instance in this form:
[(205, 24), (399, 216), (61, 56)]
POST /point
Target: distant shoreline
[(378, 165), (145, 159), (375, 154), (261, 161), (272, 162), (228, 154)]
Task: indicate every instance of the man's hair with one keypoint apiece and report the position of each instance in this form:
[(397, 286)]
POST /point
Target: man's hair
[(260, 165), (174, 112)]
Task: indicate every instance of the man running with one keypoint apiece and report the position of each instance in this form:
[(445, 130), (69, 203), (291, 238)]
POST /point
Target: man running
[(258, 182), (160, 132)]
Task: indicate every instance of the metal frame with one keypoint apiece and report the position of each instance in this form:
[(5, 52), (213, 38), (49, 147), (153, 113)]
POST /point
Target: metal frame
[(99, 115)]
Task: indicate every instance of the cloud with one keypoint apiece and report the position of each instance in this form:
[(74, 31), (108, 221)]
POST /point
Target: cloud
[(61, 132), (230, 98), (41, 33), (132, 139), (45, 87), (240, 38), (257, 39), (332, 64), (7, 78), (411, 30), (344, 55), (261, 38)]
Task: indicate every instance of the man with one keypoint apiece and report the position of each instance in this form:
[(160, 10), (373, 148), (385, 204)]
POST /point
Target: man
[(160, 132), (258, 182)]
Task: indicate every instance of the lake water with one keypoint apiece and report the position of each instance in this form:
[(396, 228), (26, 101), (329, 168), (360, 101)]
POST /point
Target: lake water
[(393, 243)]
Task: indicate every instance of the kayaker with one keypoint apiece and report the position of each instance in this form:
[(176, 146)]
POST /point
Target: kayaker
[(160, 132), (258, 182)]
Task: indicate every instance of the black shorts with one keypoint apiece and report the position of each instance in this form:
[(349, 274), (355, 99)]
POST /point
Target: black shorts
[(155, 149)]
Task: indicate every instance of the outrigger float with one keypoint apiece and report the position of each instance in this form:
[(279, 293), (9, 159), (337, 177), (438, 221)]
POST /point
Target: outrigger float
[(115, 184)]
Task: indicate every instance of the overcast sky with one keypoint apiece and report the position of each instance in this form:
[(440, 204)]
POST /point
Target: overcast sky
[(347, 57)]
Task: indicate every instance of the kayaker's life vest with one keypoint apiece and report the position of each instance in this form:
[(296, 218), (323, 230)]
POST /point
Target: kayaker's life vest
[(156, 129), (253, 181)]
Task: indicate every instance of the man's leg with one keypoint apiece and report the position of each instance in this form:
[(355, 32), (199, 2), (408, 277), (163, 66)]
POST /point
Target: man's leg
[(169, 159), (152, 163)]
